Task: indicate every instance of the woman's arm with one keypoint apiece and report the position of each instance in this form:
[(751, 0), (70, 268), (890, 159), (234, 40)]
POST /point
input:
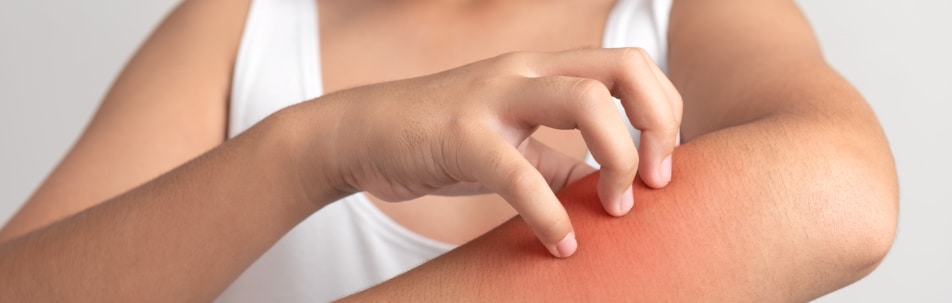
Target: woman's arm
[(726, 229), (785, 189), (186, 235), (182, 237), (168, 106)]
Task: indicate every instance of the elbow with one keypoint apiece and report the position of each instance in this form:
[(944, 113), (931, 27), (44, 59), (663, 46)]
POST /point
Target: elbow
[(863, 215), (874, 234), (849, 229), (877, 230)]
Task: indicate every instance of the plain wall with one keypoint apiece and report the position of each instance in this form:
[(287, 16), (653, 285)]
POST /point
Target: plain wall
[(57, 58)]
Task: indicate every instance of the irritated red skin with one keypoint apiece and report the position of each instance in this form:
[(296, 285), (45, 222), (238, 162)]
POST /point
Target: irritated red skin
[(663, 250), (723, 230), (598, 271), (608, 267)]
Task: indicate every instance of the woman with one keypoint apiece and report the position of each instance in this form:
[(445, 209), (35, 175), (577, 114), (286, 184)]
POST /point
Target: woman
[(783, 190)]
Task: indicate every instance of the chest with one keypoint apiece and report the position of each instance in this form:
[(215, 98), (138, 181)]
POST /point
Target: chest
[(369, 41)]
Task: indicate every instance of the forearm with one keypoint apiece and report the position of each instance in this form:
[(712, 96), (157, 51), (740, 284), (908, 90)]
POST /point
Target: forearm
[(763, 212), (180, 238)]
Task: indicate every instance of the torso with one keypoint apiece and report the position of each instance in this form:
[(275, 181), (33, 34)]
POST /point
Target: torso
[(366, 41)]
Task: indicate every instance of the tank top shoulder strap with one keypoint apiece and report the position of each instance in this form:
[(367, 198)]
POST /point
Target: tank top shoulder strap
[(277, 63)]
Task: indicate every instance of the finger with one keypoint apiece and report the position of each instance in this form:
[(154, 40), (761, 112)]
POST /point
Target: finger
[(629, 75), (568, 102), (674, 97), (461, 189), (677, 105), (657, 141), (557, 168), (501, 168)]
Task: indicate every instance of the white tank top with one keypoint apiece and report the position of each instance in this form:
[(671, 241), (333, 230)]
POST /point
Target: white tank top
[(350, 244)]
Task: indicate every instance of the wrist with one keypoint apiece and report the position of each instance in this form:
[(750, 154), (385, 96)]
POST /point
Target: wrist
[(302, 140)]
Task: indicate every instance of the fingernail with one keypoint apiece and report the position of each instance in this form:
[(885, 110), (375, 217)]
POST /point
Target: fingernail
[(627, 201), (665, 172), (565, 248)]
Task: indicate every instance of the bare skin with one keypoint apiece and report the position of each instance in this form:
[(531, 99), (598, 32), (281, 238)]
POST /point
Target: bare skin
[(759, 112), (784, 191), (353, 32)]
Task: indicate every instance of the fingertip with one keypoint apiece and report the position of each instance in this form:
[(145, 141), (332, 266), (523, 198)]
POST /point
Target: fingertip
[(615, 193), (627, 201), (664, 173), (621, 205), (565, 248), (657, 176)]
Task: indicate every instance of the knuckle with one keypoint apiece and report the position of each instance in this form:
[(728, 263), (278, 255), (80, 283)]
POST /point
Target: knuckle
[(677, 100), (630, 165), (461, 130), (511, 60), (664, 123), (674, 130), (485, 83), (519, 179), (633, 56), (589, 96), (670, 126), (678, 107), (661, 136), (626, 166)]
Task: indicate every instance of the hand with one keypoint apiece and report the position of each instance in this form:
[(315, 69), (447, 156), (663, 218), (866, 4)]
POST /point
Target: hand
[(466, 130)]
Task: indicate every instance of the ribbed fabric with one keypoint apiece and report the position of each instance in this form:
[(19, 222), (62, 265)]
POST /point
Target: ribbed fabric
[(350, 244)]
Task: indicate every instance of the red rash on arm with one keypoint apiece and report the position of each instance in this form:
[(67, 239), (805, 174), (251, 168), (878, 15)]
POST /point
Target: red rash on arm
[(680, 243)]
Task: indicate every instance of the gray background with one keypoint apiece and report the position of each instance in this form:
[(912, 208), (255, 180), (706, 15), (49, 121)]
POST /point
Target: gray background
[(57, 58)]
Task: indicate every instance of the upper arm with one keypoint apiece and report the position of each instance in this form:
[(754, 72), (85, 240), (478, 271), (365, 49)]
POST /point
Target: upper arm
[(731, 59), (168, 105), (737, 62)]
